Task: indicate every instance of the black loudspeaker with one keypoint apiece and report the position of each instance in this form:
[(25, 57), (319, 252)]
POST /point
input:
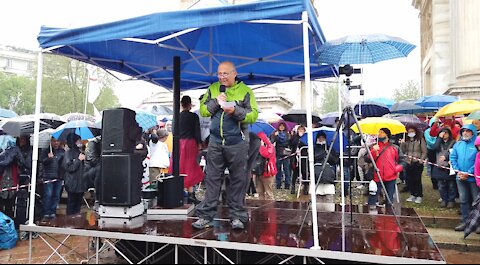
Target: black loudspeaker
[(170, 192), (121, 180), (119, 131)]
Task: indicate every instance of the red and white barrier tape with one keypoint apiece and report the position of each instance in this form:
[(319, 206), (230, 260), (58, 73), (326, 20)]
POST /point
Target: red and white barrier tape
[(448, 168), (28, 185)]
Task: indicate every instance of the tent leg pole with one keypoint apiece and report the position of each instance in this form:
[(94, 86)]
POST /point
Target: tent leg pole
[(308, 101), (38, 102), (176, 117)]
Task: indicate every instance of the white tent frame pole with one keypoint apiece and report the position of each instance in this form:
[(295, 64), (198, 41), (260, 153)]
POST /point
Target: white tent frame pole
[(340, 109), (86, 93), (308, 99), (36, 132)]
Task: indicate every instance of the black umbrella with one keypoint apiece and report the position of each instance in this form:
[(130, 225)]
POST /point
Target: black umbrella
[(299, 116), (473, 218), (21, 126), (371, 109), (51, 118)]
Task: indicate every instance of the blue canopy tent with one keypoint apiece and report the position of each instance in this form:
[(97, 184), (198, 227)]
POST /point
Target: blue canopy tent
[(263, 39), (269, 42)]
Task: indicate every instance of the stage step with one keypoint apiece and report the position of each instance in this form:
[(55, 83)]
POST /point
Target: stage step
[(450, 239)]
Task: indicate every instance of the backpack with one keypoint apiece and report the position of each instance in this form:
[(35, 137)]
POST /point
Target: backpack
[(259, 165), (8, 234)]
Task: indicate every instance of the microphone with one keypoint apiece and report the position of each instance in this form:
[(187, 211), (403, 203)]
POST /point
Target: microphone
[(222, 91)]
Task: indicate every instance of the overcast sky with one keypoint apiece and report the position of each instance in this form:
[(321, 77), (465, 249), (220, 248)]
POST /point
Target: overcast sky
[(20, 22)]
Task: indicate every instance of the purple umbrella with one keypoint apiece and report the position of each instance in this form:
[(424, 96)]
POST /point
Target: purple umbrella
[(409, 120), (330, 118), (289, 125)]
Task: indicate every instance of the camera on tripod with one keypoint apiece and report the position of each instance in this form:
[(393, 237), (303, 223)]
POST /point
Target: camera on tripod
[(348, 70)]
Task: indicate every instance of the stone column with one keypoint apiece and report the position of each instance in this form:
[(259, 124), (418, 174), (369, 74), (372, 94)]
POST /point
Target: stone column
[(465, 30)]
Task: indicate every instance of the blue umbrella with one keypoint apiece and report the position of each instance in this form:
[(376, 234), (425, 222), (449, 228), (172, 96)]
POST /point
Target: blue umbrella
[(363, 49), (6, 113), (145, 119), (388, 102), (330, 133), (371, 109), (408, 107), (436, 101), (85, 129), (261, 126)]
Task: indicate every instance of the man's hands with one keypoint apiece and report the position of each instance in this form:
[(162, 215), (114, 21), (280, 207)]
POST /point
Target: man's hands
[(221, 98), (81, 157), (50, 155), (462, 176), (229, 111)]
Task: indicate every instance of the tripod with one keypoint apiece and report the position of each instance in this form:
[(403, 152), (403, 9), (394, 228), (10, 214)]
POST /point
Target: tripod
[(346, 114)]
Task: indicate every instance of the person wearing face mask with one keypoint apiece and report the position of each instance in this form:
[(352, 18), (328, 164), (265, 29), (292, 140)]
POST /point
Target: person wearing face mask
[(446, 184), (326, 186), (282, 140), (462, 159), (296, 144), (73, 164), (414, 146), (386, 157)]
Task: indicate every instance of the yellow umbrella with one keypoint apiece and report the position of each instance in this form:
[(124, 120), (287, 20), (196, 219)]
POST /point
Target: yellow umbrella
[(374, 124), (459, 108)]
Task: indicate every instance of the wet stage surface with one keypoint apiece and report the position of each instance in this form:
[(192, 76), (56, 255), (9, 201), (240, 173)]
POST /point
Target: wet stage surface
[(355, 230)]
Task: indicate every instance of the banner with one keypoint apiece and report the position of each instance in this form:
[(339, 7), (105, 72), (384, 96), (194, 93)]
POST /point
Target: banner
[(93, 84)]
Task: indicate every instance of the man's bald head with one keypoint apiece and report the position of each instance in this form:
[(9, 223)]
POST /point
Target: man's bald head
[(226, 73)]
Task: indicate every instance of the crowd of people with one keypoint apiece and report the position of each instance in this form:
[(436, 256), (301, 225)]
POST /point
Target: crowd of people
[(240, 163)]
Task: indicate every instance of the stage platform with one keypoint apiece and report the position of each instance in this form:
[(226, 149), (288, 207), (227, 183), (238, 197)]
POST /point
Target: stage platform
[(351, 234)]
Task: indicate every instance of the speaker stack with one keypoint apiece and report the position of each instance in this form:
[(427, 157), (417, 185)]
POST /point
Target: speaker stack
[(121, 179)]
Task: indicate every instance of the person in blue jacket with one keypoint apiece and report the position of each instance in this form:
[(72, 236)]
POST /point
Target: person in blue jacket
[(431, 154), (462, 159)]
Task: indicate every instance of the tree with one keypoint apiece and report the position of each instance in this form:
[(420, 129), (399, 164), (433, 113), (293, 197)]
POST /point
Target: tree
[(409, 90), (329, 99), (17, 93), (65, 84)]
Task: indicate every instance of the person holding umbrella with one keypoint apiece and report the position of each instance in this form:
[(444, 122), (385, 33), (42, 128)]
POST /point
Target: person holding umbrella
[(387, 157), (52, 159), (73, 164), (414, 146)]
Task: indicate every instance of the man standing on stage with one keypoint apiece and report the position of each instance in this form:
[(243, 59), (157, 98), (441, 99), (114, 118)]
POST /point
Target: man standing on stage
[(231, 106)]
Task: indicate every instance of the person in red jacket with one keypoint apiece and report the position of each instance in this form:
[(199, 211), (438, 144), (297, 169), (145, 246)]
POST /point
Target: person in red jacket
[(265, 182), (387, 156), (454, 125)]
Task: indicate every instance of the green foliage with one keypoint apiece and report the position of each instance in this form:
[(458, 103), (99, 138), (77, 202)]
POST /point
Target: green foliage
[(64, 86), (409, 90), (17, 93), (106, 99), (329, 99)]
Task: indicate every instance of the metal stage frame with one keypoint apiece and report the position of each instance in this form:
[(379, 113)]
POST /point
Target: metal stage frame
[(272, 236)]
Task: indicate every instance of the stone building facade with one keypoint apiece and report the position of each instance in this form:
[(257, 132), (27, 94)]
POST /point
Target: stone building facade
[(450, 49)]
